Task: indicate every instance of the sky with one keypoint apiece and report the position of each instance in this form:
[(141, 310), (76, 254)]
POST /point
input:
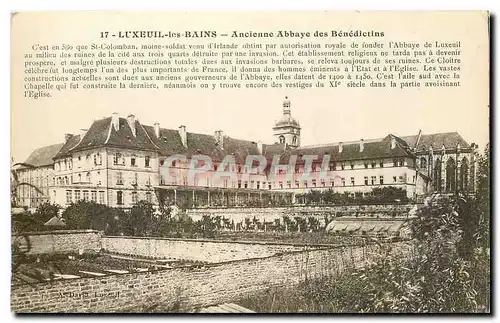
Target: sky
[(326, 115)]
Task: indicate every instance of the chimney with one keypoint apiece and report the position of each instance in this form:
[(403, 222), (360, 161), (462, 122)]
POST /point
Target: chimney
[(361, 145), (341, 146), (259, 146), (83, 132), (393, 142), (157, 129), (183, 134), (131, 123), (219, 138), (67, 136), (115, 121)]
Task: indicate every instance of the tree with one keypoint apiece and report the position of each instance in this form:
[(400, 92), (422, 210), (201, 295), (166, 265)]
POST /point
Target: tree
[(141, 217), (87, 215), (46, 211)]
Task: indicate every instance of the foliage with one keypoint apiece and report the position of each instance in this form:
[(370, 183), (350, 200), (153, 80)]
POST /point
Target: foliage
[(46, 211), (90, 215), (387, 194)]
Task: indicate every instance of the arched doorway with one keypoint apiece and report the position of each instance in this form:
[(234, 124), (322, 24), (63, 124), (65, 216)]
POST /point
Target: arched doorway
[(451, 171), (464, 175)]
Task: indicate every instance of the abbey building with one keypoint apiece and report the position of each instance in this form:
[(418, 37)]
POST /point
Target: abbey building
[(119, 161)]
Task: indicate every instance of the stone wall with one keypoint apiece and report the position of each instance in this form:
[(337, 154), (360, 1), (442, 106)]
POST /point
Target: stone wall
[(192, 287), (195, 250), (60, 241), (319, 212)]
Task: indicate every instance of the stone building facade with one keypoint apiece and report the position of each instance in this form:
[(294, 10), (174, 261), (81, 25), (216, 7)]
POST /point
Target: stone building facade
[(118, 161)]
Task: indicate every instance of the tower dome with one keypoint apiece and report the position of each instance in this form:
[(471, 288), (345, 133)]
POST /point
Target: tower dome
[(287, 129), (286, 119)]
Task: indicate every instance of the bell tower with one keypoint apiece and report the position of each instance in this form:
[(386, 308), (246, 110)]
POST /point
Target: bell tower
[(286, 130)]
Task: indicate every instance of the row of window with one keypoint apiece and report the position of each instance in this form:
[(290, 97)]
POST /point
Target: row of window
[(373, 180), (397, 162), (77, 195), (99, 196), (119, 159), (134, 197)]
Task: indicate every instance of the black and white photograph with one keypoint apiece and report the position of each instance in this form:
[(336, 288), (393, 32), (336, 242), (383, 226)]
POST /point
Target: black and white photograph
[(248, 163)]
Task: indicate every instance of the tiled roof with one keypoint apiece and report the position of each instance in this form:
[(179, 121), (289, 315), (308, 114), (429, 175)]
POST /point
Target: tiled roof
[(437, 140), (351, 151), (102, 133), (72, 141), (96, 135), (169, 142), (43, 156)]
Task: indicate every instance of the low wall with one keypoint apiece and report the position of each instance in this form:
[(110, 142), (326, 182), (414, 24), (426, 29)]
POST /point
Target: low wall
[(319, 212), (195, 250), (191, 287), (60, 241)]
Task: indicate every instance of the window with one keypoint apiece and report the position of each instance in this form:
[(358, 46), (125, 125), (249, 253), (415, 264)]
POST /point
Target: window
[(294, 140), (269, 186), (332, 183), (323, 183), (69, 197), (97, 159), (246, 184), (119, 198), (394, 162), (423, 162), (118, 159), (215, 167), (342, 166), (297, 184), (134, 197), (352, 181), (401, 179), (93, 196), (239, 168), (366, 180), (149, 197), (225, 183), (146, 161), (239, 184), (258, 184), (332, 166), (381, 179), (79, 178), (373, 164), (282, 139), (281, 185), (352, 165), (289, 184), (89, 177), (132, 162), (394, 178), (101, 197), (366, 164), (85, 195), (119, 178), (305, 184), (381, 164), (401, 162), (343, 181), (413, 178), (77, 196), (314, 183), (374, 180)]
